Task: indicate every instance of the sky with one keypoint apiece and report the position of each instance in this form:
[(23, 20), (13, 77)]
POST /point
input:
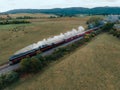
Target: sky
[(6, 5)]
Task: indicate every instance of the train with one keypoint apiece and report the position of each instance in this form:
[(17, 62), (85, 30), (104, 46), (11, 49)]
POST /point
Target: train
[(50, 43)]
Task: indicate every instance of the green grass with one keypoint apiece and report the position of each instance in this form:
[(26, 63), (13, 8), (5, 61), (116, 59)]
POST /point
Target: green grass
[(11, 26), (26, 34), (94, 66)]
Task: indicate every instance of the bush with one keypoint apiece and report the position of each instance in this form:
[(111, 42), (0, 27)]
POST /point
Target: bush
[(42, 59), (8, 79), (114, 32), (118, 34), (111, 31), (5, 22), (30, 65), (36, 64), (25, 64), (12, 77), (94, 21), (107, 27), (87, 37), (26, 17)]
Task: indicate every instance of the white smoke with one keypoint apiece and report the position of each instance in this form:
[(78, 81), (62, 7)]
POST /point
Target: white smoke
[(53, 40)]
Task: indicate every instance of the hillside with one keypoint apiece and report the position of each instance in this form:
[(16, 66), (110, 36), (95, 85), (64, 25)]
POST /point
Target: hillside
[(95, 66), (70, 11)]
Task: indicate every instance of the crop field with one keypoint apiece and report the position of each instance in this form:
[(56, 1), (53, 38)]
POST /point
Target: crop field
[(94, 66), (16, 36)]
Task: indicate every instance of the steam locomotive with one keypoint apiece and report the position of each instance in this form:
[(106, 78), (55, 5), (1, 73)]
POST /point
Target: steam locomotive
[(51, 43)]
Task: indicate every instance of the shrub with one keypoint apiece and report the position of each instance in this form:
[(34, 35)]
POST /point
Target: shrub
[(42, 59), (94, 21), (87, 37), (26, 17), (36, 64), (107, 27), (25, 64), (115, 32), (8, 79), (111, 31), (30, 65), (12, 77), (5, 22)]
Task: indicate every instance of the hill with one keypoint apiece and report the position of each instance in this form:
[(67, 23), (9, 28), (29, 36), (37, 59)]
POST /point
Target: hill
[(95, 66), (70, 11)]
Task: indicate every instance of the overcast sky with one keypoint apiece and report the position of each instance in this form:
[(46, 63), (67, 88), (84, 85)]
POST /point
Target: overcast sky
[(46, 4)]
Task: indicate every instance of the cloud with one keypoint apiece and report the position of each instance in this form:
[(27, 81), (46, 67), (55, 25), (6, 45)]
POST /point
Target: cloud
[(40, 4), (110, 0), (101, 0)]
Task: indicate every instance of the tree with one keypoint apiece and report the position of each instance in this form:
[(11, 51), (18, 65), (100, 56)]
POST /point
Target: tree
[(87, 37), (107, 27), (7, 79), (36, 64), (30, 65), (25, 65), (94, 21), (12, 77)]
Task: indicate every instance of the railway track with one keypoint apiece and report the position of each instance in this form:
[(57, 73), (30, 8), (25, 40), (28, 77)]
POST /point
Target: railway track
[(5, 68)]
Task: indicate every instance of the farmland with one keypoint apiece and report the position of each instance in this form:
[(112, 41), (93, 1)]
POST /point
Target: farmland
[(94, 66), (16, 36)]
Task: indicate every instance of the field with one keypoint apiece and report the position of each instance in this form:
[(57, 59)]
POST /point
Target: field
[(14, 37), (94, 66)]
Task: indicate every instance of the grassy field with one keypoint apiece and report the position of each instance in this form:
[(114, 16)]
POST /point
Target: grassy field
[(95, 66), (14, 37), (31, 15), (38, 15)]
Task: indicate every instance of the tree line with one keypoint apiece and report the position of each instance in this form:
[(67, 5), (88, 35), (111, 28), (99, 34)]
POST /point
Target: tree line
[(5, 22)]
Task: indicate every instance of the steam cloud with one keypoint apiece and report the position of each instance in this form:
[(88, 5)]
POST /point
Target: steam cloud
[(51, 40)]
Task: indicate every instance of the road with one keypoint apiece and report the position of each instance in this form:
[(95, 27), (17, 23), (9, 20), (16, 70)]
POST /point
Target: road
[(7, 68)]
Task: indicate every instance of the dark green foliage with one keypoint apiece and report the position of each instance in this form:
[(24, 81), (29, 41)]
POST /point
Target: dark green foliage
[(36, 64), (30, 65), (25, 64), (26, 17), (53, 17), (115, 32), (8, 79), (12, 77), (107, 27), (94, 22), (71, 11), (111, 31), (87, 37), (96, 32), (5, 22), (118, 34)]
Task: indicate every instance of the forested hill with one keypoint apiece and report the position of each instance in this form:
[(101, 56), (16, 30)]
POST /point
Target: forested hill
[(69, 11)]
